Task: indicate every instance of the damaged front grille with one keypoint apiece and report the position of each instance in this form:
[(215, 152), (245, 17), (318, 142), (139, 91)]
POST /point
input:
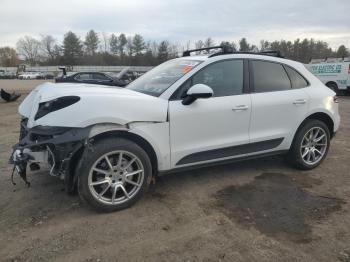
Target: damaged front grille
[(23, 128), (49, 145)]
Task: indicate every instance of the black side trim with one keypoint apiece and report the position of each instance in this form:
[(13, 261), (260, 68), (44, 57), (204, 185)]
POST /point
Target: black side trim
[(230, 151), (222, 162)]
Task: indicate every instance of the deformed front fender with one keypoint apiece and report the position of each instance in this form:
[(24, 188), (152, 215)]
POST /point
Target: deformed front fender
[(106, 127)]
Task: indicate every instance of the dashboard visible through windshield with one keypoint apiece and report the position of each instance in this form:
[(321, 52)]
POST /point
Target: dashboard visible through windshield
[(159, 79)]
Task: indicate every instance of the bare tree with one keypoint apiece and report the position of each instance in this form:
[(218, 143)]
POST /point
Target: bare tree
[(105, 42), (48, 47), (8, 56), (209, 42), (130, 46), (29, 48), (199, 44)]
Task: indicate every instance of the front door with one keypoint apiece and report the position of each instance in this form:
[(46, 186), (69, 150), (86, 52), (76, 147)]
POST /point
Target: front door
[(213, 128)]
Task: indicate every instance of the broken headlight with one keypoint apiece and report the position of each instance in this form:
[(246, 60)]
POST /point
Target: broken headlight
[(54, 105)]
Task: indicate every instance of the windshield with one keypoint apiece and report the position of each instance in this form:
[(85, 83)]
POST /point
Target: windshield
[(159, 79)]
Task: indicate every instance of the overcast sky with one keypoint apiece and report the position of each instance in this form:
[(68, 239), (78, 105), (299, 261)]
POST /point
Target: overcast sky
[(179, 20)]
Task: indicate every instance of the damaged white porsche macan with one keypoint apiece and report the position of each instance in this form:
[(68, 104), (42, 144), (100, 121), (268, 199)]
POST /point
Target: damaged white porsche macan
[(192, 111)]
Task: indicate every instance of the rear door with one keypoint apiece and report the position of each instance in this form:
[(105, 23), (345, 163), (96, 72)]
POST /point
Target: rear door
[(279, 103)]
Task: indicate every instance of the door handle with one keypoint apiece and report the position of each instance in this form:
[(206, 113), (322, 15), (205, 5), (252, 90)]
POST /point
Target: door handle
[(240, 108), (299, 102)]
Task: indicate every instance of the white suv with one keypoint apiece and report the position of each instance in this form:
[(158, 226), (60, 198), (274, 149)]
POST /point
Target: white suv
[(187, 112)]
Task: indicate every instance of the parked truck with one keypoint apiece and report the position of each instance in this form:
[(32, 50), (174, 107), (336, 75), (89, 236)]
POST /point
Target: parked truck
[(333, 72)]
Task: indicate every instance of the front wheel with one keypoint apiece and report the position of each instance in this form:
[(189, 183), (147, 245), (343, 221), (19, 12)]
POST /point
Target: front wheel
[(310, 145), (114, 175)]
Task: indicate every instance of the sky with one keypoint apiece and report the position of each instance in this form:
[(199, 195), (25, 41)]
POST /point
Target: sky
[(179, 20)]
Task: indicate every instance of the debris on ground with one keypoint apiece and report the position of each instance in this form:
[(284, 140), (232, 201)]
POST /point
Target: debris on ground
[(9, 97)]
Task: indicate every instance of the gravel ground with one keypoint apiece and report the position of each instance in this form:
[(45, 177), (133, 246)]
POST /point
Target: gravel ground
[(21, 86), (257, 210)]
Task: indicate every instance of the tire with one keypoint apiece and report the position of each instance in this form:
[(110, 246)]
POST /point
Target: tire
[(300, 145), (333, 86), (97, 183)]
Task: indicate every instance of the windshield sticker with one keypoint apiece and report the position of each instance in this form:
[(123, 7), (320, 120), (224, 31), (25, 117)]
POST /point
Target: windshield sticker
[(187, 69)]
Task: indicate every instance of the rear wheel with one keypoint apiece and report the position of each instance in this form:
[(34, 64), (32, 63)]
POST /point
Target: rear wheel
[(114, 176), (310, 145)]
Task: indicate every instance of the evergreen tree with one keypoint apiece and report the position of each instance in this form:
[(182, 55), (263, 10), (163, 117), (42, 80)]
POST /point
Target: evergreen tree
[(342, 51), (91, 42), (114, 44), (163, 51), (72, 48), (122, 41), (243, 45), (138, 44)]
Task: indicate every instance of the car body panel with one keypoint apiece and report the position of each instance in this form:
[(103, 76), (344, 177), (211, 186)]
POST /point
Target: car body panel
[(97, 105), (207, 124)]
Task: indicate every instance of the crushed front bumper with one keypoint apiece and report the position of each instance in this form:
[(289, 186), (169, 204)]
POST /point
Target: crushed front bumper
[(55, 147)]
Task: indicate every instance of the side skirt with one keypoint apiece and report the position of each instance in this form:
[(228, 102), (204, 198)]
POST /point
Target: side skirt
[(222, 162), (230, 151)]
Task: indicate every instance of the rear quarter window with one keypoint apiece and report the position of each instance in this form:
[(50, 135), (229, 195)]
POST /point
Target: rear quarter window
[(297, 80)]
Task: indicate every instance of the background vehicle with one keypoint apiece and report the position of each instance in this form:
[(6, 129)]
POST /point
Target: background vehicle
[(92, 78), (188, 112), (30, 75), (7, 74), (333, 72), (128, 75), (45, 75)]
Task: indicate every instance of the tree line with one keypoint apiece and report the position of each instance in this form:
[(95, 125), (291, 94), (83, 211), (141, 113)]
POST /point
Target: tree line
[(113, 49)]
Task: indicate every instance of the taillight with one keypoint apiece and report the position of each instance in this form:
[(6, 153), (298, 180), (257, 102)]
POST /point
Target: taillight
[(335, 99), (349, 69)]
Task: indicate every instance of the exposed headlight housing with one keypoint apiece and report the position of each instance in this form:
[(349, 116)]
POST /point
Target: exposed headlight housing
[(54, 105)]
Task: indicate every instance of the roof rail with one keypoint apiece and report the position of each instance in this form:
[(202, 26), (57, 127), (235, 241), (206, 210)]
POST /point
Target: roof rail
[(275, 53), (225, 49)]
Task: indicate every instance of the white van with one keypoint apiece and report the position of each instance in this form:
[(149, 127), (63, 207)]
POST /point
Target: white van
[(333, 72)]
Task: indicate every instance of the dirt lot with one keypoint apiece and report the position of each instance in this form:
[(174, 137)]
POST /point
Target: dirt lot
[(260, 210)]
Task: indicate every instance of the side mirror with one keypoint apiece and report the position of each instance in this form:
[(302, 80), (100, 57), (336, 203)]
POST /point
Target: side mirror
[(197, 91)]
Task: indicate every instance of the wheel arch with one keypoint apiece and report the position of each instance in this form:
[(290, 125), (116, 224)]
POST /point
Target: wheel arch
[(140, 141), (321, 116)]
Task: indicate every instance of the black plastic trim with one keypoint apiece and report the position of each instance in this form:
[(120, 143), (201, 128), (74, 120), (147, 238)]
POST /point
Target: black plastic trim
[(222, 162), (230, 151)]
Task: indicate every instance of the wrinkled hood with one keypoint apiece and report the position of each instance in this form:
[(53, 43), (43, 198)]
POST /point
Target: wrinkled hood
[(97, 104)]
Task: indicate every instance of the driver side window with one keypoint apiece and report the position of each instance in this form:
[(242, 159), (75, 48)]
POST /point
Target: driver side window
[(224, 77)]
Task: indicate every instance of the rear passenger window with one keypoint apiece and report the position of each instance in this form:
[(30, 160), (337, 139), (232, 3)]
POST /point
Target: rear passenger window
[(297, 80), (269, 77)]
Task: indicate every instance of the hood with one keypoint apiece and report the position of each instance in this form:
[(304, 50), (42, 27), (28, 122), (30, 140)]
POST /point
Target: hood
[(97, 104)]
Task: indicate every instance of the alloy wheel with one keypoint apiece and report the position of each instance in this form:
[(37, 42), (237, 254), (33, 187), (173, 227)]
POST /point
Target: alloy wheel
[(314, 145), (116, 177)]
